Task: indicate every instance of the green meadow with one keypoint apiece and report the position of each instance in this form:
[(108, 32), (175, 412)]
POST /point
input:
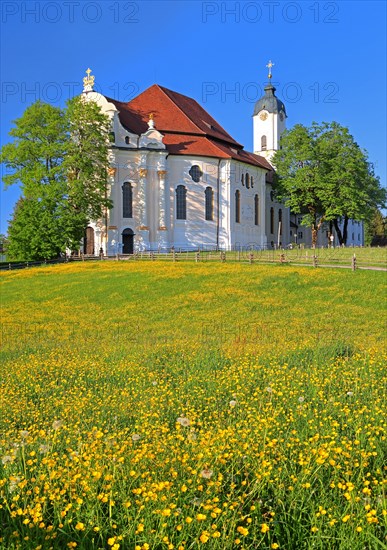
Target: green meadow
[(180, 405)]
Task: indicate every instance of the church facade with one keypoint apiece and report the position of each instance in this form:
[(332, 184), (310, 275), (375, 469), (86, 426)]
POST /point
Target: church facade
[(178, 180)]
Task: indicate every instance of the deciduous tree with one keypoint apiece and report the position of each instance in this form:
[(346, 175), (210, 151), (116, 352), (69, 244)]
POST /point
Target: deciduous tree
[(324, 174), (59, 157)]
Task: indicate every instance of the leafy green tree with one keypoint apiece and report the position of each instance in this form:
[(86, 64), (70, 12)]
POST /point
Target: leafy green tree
[(376, 229), (323, 174), (86, 165), (59, 157), (33, 232)]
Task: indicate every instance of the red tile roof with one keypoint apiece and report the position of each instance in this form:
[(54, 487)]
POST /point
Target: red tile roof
[(187, 128)]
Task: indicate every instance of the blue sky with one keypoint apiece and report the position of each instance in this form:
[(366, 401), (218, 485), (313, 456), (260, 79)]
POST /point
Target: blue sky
[(330, 60)]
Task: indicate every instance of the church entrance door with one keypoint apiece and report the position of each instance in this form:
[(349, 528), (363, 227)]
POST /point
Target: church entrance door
[(127, 241), (88, 241)]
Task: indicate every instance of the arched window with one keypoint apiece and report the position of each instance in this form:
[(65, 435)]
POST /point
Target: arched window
[(243, 180), (251, 182), (127, 200), (256, 210), (247, 178), (280, 220), (127, 140), (271, 220), (263, 143), (209, 198), (181, 202), (237, 206)]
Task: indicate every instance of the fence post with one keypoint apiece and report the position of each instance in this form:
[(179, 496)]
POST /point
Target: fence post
[(282, 258), (354, 262), (314, 260), (152, 256), (222, 256), (251, 257), (174, 256), (197, 257)]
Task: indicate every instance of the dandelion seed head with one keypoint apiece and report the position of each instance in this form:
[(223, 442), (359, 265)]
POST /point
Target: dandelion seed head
[(183, 421), (57, 424)]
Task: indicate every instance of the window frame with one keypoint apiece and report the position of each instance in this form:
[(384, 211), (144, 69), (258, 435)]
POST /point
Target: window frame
[(256, 209), (209, 204), (237, 206), (181, 202), (127, 200)]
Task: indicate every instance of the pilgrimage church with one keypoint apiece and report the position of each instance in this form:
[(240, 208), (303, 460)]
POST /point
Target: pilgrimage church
[(178, 180)]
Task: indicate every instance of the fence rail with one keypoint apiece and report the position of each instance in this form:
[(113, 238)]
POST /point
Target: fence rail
[(340, 257)]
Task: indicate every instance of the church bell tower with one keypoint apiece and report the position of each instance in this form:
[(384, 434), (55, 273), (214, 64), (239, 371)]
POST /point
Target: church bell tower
[(269, 120)]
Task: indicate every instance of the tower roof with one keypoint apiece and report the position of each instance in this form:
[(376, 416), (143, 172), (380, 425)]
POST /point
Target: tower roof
[(269, 101)]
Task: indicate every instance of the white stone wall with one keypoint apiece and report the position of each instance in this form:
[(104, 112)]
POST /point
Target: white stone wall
[(246, 233), (195, 231)]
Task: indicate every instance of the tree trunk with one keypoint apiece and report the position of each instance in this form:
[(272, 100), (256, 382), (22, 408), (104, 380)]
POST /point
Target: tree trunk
[(345, 230), (338, 232), (314, 236)]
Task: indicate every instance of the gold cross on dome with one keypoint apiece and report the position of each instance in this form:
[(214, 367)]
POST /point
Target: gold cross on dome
[(88, 81), (269, 66)]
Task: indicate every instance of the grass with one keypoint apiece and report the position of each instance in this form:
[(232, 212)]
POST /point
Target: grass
[(188, 405)]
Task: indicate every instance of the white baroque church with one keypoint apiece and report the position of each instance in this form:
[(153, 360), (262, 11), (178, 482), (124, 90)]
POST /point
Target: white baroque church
[(178, 180)]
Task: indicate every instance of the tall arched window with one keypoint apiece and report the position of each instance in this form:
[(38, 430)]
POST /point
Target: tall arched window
[(280, 220), (127, 140), (263, 143), (271, 220), (243, 179), (209, 199), (181, 202), (127, 200), (237, 206), (256, 210), (251, 182), (247, 177)]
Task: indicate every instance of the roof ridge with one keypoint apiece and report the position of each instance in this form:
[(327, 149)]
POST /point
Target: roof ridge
[(220, 130), (165, 90)]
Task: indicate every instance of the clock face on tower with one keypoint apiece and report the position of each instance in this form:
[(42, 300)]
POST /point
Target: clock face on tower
[(263, 115)]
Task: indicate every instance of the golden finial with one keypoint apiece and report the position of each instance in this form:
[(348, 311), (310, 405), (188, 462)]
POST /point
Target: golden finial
[(88, 82), (269, 66), (151, 116)]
